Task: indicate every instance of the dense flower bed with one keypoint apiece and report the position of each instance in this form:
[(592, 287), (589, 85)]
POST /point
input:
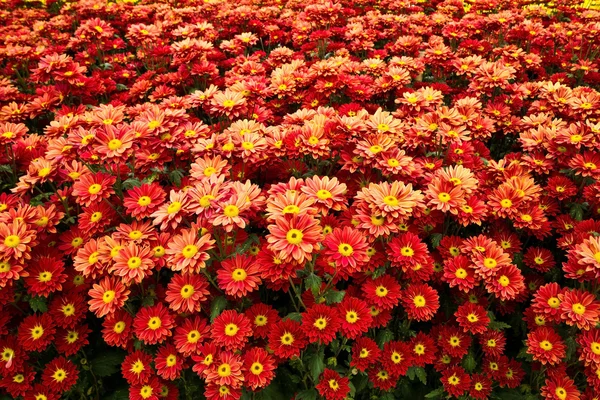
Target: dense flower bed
[(299, 199)]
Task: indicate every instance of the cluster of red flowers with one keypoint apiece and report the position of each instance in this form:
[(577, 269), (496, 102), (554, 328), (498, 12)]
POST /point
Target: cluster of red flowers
[(345, 199)]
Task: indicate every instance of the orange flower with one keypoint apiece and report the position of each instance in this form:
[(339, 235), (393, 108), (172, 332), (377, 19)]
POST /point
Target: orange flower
[(187, 252)]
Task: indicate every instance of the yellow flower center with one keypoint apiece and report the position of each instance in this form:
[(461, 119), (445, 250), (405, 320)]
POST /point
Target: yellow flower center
[(94, 189), (561, 393), (345, 249), (419, 301), (154, 323), (12, 241), (578, 308), (320, 323), (383, 127), (174, 207), (231, 329), (595, 347), (108, 296), (351, 317), (504, 281), (224, 370), (37, 332), (115, 144), (490, 263), (287, 339), (137, 367), (294, 236), (144, 201), (444, 197), (391, 201), (461, 273), (381, 291), (256, 368), (59, 375), (171, 360), (187, 291), (407, 251), (472, 318), (364, 353), (193, 336), (239, 274), (505, 203), (134, 262), (260, 320), (419, 349), (546, 345), (45, 276), (189, 251), (554, 302), (119, 327), (231, 211), (324, 194)]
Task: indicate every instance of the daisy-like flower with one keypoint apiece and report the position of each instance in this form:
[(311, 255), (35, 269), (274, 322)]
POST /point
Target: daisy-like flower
[(12, 355), (60, 375), (190, 334), (355, 316), (423, 350), (296, 238), (492, 343), (46, 276), (384, 292), (472, 318), (545, 301), (327, 193), (346, 247), (454, 342), (263, 317), (507, 284), (407, 250), (259, 368), (381, 378), (36, 332), (153, 324), (286, 339), (396, 358), (18, 383), (168, 362), (481, 387), (186, 293), (133, 263), (395, 200), (420, 302), (226, 370), (15, 241), (560, 388), (188, 253), (68, 309), (589, 350), (136, 367), (488, 260), (70, 341), (332, 386), (229, 103), (142, 201), (109, 295), (579, 308), (546, 346), (231, 330), (150, 390), (239, 275), (171, 213), (41, 391), (455, 381), (364, 353), (92, 188), (116, 329), (320, 324), (459, 272)]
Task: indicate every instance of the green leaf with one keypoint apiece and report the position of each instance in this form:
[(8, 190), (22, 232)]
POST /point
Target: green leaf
[(417, 372), (107, 363), (119, 394), (217, 306), (175, 176), (333, 296), (387, 396), (313, 282), (436, 238), (383, 337), (469, 362), (498, 325), (571, 347), (435, 393), (316, 364), (294, 316), (38, 304), (309, 394), (131, 183)]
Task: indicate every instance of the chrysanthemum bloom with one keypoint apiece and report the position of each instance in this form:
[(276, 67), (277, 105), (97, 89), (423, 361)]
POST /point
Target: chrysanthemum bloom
[(286, 339), (507, 284), (355, 316), (12, 355), (296, 238), (116, 329), (190, 334), (231, 330), (320, 323), (46, 276), (288, 204), (332, 386), (222, 392), (539, 259), (545, 301), (186, 293), (396, 358), (364, 353), (136, 367), (420, 302), (142, 201), (445, 196), (70, 341), (43, 392), (107, 296), (263, 317), (60, 375), (481, 387), (407, 250), (36, 332), (168, 362), (239, 275), (546, 346), (188, 253), (153, 324), (133, 263), (171, 213), (115, 142), (149, 390), (423, 349), (589, 350), (381, 378), (328, 193), (92, 188), (490, 260), (492, 343), (15, 241), (394, 200), (346, 247), (259, 368), (87, 260), (204, 358), (226, 370), (560, 388), (455, 381), (454, 342), (229, 103), (588, 254), (384, 292), (459, 272), (472, 318), (579, 308), (18, 383)]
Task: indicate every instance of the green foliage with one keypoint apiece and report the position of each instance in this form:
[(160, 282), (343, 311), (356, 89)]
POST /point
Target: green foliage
[(217, 306), (108, 363), (38, 304)]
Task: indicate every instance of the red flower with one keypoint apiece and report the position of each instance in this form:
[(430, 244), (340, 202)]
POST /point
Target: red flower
[(492, 343), (507, 283), (239, 275), (481, 387), (423, 349), (231, 330), (168, 362), (149, 390), (472, 318), (17, 383), (136, 367), (406, 250), (420, 302), (45, 276), (133, 263), (546, 346), (259, 368), (320, 323), (142, 201), (396, 358), (560, 388), (546, 302), (108, 296), (589, 342), (454, 342), (294, 239), (332, 386), (185, 293), (364, 353), (458, 271), (188, 253), (579, 308), (286, 339), (384, 292), (190, 334), (263, 318), (347, 248), (70, 341), (60, 375), (117, 329), (226, 370), (455, 381), (355, 316), (153, 324), (36, 332), (92, 188)]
